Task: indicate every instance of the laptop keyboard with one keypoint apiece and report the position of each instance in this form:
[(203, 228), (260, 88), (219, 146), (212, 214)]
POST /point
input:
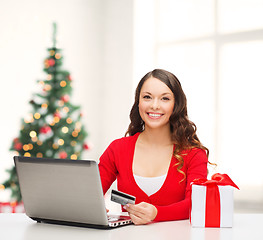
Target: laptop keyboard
[(115, 221)]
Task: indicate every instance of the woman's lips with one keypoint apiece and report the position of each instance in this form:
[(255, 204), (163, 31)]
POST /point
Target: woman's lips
[(155, 115)]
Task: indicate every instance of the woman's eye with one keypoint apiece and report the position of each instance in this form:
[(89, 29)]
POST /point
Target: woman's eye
[(166, 98), (146, 97)]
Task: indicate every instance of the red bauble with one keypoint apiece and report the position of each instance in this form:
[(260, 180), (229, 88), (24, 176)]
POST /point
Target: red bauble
[(51, 62), (16, 140), (45, 129), (63, 154), (65, 98), (18, 146), (86, 146), (57, 114)]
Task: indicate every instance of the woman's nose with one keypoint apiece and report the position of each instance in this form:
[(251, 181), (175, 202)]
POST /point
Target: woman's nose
[(155, 104)]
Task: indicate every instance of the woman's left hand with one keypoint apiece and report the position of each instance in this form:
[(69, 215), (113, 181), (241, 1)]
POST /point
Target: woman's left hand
[(141, 213)]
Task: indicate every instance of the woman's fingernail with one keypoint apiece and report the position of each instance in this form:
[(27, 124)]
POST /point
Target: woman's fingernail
[(124, 207), (127, 205)]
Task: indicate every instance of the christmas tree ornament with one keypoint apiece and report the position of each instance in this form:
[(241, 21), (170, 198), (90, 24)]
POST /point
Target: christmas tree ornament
[(86, 146), (51, 62), (63, 154), (18, 146), (45, 129), (65, 98)]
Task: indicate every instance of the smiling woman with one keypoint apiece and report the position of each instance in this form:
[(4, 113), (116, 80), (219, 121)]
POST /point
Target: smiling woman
[(161, 148), (156, 103)]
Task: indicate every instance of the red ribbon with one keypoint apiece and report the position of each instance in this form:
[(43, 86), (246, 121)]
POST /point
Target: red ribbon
[(212, 213)]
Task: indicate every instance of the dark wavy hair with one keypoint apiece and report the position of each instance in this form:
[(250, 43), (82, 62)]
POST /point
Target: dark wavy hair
[(183, 131)]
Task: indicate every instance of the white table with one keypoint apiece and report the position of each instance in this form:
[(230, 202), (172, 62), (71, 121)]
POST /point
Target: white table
[(20, 227)]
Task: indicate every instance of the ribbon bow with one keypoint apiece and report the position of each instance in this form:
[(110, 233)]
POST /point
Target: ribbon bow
[(216, 179), (212, 213)]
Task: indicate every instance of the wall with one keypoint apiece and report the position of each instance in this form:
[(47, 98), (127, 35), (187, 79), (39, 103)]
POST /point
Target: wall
[(96, 38)]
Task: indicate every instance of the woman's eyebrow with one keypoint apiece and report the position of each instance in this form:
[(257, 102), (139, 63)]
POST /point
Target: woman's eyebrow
[(147, 93), (161, 94), (166, 93)]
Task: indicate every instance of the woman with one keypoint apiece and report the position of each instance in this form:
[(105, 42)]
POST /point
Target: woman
[(160, 155)]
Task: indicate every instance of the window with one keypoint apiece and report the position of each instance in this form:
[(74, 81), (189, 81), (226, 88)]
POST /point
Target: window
[(215, 48)]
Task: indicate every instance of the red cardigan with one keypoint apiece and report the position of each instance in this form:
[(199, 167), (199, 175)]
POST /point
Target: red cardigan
[(173, 198)]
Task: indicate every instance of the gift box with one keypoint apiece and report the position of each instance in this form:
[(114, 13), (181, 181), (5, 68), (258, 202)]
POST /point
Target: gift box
[(212, 201), (11, 207)]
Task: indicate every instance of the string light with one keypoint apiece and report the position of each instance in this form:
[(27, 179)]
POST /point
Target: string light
[(30, 146), (74, 157), (34, 139), (63, 83), (32, 134), (51, 52), (55, 146), (27, 154), (69, 120), (56, 119), (66, 109), (61, 142), (73, 143), (2, 187), (25, 147), (47, 87), (58, 56), (29, 118), (52, 123), (74, 133), (49, 77), (64, 129), (60, 103), (39, 143), (44, 105), (39, 155), (78, 126), (37, 115), (46, 64)]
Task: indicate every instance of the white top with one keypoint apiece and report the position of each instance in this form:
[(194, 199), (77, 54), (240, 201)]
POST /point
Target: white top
[(150, 185)]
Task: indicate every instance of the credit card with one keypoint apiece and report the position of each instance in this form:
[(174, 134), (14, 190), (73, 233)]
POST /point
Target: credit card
[(122, 198)]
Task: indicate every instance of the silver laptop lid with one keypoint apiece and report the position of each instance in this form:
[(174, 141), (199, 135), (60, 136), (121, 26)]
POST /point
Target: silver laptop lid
[(61, 190)]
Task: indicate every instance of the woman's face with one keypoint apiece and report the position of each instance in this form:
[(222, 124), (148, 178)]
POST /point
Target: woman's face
[(156, 103)]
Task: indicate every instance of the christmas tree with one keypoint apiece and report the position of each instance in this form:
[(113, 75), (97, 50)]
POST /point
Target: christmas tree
[(53, 129)]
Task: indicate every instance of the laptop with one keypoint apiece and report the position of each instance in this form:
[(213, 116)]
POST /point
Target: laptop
[(63, 191)]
